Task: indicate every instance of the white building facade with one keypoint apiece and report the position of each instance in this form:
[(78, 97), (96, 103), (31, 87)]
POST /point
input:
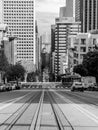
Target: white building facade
[(19, 16), (80, 45)]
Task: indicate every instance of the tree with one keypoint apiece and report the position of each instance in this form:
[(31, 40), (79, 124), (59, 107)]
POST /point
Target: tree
[(80, 69), (90, 62), (31, 77), (4, 65), (15, 72), (58, 78), (51, 77)]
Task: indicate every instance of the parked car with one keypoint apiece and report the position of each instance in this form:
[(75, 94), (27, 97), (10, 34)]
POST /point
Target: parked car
[(77, 86), (13, 86), (93, 87), (89, 82), (18, 86), (8, 87), (2, 87)]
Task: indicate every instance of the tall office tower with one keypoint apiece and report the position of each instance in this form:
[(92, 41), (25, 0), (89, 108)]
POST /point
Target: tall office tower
[(52, 47), (37, 48), (87, 13), (19, 16), (70, 8), (78, 10), (63, 29), (62, 12), (52, 38)]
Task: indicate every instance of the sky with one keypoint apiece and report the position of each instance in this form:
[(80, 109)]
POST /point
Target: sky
[(46, 12)]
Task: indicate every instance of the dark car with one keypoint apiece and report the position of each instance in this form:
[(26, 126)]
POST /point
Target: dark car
[(18, 86), (8, 86)]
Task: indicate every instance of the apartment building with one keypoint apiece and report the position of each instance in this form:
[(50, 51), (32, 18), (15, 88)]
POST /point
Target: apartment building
[(79, 45)]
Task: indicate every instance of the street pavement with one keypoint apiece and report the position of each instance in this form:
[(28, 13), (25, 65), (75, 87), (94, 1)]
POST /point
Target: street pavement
[(75, 110), (81, 109)]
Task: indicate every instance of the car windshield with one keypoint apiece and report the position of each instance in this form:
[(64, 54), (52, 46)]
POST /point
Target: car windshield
[(78, 83)]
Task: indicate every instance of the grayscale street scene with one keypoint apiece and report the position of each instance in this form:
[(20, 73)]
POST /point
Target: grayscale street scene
[(48, 64)]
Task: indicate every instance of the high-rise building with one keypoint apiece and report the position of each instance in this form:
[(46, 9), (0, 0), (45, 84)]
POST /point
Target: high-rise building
[(37, 46), (52, 38), (62, 12), (63, 29), (65, 26), (68, 10), (7, 45), (86, 11), (10, 51), (19, 16)]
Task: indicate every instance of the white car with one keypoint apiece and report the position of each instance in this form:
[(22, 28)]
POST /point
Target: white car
[(13, 86), (77, 86), (2, 87)]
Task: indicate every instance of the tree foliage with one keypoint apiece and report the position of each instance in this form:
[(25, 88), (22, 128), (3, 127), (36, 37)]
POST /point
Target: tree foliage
[(45, 60), (15, 72), (58, 78), (89, 66), (51, 77), (90, 62), (31, 77), (4, 65), (79, 69)]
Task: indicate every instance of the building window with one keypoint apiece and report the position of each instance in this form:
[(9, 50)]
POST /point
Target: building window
[(83, 41), (82, 49)]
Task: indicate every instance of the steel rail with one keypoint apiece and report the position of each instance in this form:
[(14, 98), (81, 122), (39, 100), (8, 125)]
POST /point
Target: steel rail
[(35, 125), (60, 124), (58, 120), (37, 117), (18, 113)]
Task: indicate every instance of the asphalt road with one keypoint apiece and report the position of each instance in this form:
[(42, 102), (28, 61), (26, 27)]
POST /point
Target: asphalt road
[(20, 109), (80, 108)]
